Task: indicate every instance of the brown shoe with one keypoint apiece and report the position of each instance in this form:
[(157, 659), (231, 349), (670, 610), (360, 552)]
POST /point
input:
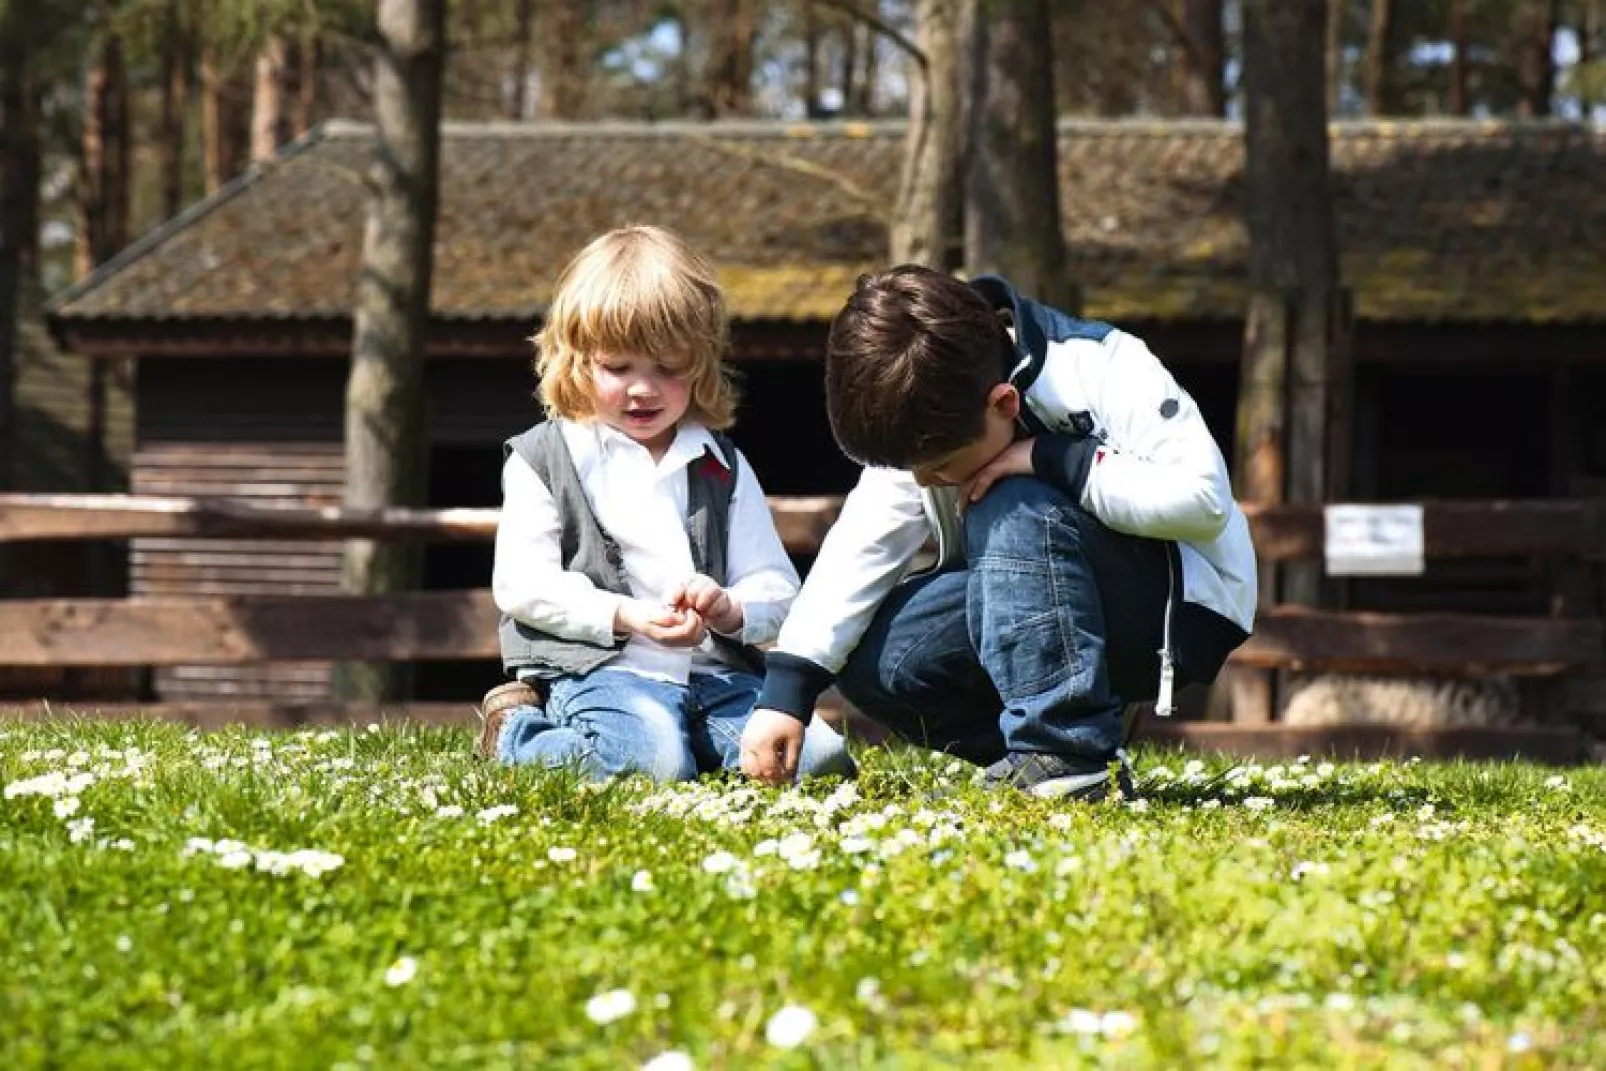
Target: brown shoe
[(493, 711)]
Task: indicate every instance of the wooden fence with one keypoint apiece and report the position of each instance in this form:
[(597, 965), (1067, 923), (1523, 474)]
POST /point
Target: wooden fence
[(1566, 646)]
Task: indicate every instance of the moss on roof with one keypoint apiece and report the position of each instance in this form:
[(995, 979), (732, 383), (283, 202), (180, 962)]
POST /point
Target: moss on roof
[(1437, 220)]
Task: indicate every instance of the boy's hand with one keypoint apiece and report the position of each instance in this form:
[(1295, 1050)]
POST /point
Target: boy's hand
[(712, 602), (1016, 460), (771, 744), (663, 624)]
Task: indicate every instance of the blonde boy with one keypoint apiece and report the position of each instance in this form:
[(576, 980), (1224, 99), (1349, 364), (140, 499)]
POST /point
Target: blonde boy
[(637, 566)]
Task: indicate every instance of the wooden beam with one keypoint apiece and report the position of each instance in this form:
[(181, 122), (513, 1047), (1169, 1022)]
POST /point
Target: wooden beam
[(437, 625), (801, 521), (1465, 529), (425, 625), (1281, 533), (1299, 638)]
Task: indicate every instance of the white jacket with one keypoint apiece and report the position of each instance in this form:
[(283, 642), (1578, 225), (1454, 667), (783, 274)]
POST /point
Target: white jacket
[(1152, 469)]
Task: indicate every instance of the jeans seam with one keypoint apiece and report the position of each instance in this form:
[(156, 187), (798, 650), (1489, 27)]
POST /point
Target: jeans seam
[(1067, 655)]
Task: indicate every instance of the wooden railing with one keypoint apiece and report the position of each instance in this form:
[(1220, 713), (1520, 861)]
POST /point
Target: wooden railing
[(440, 625)]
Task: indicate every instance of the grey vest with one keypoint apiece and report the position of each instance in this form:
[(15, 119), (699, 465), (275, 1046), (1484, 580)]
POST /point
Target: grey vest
[(585, 548)]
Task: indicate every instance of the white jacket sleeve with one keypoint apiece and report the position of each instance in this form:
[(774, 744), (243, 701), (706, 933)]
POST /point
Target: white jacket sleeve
[(867, 551), (528, 581), (758, 573), (1160, 474)]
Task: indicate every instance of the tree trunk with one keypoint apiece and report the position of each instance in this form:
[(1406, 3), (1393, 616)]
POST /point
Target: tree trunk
[(730, 72), (268, 101), (386, 447), (1459, 103), (1204, 90), (1380, 56), (811, 60), (175, 100), (17, 190), (1293, 319), (220, 149), (1589, 29), (308, 77), (865, 104), (1536, 63), (1012, 207), (562, 76), (927, 225), (106, 159), (850, 66), (518, 106), (1334, 54)]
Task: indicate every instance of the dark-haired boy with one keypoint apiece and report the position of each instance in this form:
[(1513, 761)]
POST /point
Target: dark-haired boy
[(1090, 552)]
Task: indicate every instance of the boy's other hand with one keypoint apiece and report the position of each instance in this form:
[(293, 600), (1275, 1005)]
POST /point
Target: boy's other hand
[(712, 602), (1016, 460), (771, 744), (662, 624)]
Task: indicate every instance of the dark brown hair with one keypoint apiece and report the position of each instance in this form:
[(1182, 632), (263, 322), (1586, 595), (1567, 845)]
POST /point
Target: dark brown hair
[(908, 366)]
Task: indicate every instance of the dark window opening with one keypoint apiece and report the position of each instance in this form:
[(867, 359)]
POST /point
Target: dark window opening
[(460, 476)]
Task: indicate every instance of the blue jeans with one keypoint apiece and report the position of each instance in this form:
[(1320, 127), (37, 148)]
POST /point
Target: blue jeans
[(612, 722), (1035, 643)]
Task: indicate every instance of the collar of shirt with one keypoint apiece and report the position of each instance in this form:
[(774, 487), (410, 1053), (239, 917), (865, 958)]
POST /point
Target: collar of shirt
[(594, 438)]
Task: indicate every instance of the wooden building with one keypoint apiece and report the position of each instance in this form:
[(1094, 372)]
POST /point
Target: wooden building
[(1474, 252)]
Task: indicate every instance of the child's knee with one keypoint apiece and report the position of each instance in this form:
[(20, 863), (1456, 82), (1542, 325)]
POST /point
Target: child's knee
[(654, 746), (1009, 519)]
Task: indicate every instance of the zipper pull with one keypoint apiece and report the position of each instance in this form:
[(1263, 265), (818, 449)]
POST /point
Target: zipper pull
[(1164, 701)]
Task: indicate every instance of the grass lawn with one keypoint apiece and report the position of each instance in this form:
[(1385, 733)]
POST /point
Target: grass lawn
[(377, 898)]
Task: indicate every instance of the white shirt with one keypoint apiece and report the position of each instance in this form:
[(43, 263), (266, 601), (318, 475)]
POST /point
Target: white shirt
[(642, 504)]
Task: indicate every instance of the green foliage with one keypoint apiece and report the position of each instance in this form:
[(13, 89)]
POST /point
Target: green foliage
[(459, 914)]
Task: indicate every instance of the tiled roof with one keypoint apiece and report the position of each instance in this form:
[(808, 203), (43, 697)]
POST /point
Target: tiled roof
[(1437, 219)]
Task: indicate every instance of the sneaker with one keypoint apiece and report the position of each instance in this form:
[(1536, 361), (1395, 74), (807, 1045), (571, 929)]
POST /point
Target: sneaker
[(493, 711), (1060, 776)]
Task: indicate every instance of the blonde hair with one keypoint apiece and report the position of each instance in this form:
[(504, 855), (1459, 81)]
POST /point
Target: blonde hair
[(637, 290)]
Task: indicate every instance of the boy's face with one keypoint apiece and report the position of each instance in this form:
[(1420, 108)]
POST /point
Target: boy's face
[(998, 432), (640, 396)]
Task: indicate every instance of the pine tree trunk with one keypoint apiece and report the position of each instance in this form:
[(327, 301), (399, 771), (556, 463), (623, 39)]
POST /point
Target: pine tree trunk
[(214, 123), (386, 445), (309, 76), (1459, 102), (106, 159), (927, 225), (1204, 90), (1334, 54), (523, 25), (562, 76), (1536, 63), (850, 65), (865, 105), (119, 189), (730, 71), (268, 101), (17, 189), (1012, 208), (1380, 59), (1294, 331), (1589, 28), (91, 171), (811, 60), (175, 101)]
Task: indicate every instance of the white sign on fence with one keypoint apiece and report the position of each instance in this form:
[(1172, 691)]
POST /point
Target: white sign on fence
[(1373, 540)]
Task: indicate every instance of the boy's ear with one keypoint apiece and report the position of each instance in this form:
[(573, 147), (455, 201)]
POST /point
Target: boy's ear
[(1004, 399)]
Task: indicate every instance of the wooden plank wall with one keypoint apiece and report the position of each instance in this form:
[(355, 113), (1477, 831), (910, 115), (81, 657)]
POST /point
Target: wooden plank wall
[(269, 431), (271, 473), (262, 431)]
